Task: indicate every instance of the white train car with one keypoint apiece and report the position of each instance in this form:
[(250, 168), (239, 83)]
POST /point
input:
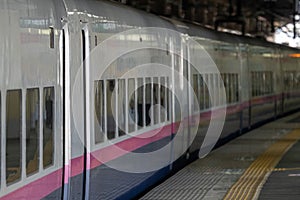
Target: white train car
[(102, 101)]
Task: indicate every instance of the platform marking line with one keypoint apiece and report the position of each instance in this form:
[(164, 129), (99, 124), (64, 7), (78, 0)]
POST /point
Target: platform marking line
[(250, 183), (285, 169)]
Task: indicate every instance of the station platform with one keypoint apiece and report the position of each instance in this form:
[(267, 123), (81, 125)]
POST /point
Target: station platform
[(261, 164)]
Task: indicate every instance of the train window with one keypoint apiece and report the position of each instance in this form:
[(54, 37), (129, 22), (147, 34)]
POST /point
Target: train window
[(110, 105), (168, 99), (147, 101), (253, 83), (206, 92), (227, 77), (297, 78), (131, 106), (96, 40), (51, 37), (196, 90), (234, 91), (291, 80), (237, 91), (256, 84), (262, 83), (212, 83), (221, 85), (99, 111), (155, 107), (267, 83), (32, 130), (225, 86), (13, 135), (48, 126), (286, 80), (216, 90), (224, 82), (201, 92), (121, 107), (231, 85), (163, 99), (231, 88), (271, 83), (140, 102)]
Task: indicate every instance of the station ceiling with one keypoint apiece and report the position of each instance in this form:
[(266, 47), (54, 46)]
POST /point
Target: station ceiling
[(260, 17)]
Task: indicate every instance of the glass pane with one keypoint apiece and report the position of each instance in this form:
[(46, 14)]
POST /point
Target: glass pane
[(155, 106), (195, 87), (121, 107), (212, 92), (99, 112), (48, 126), (162, 99), (201, 92), (272, 82), (13, 135), (148, 101), (227, 87), (168, 99), (237, 88), (216, 88), (140, 102), (206, 93), (231, 88), (32, 130), (253, 83), (131, 106), (260, 85), (110, 108)]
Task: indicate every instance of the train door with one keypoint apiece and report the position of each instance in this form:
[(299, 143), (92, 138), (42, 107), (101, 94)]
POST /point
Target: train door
[(180, 100), (65, 93), (73, 94), (244, 85), (188, 99), (85, 38)]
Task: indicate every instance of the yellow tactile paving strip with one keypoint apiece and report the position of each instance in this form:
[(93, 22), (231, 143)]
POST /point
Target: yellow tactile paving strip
[(247, 187)]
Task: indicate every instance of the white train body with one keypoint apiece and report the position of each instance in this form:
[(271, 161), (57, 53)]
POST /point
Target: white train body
[(99, 101)]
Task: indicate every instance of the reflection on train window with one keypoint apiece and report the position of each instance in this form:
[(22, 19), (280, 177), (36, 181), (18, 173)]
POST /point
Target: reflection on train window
[(131, 109), (155, 107), (206, 92), (99, 111), (131, 106), (231, 84), (148, 101), (198, 86), (110, 105), (163, 102), (202, 85), (262, 83), (121, 107), (196, 90), (291, 80), (32, 130), (168, 99), (140, 101), (13, 135), (48, 126)]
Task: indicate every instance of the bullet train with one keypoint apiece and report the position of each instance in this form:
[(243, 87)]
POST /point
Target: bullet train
[(102, 101)]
